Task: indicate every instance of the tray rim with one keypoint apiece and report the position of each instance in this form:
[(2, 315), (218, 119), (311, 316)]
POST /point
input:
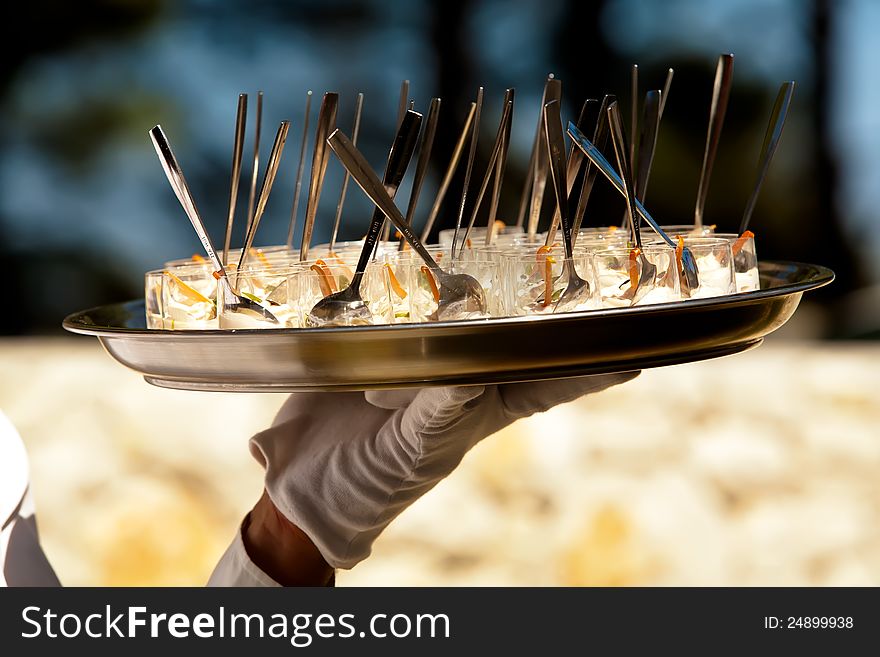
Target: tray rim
[(822, 277)]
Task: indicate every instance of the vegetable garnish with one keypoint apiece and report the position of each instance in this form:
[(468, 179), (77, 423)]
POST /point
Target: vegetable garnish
[(434, 290), (549, 261), (497, 226), (741, 242), (260, 256), (193, 295), (679, 250), (634, 267), (395, 284), (325, 277)]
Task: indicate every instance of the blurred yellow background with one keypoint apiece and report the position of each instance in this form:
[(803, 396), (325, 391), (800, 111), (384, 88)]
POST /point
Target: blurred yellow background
[(756, 469)]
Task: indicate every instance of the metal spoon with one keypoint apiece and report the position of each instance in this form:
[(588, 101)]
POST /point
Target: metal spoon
[(689, 272), (539, 179), (720, 96), (258, 124), (422, 165), (744, 261), (347, 305), (469, 167), (265, 190), (647, 269), (459, 293), (503, 129), (556, 154), (326, 123), (450, 172), (337, 221), (231, 301), (237, 149), (297, 188)]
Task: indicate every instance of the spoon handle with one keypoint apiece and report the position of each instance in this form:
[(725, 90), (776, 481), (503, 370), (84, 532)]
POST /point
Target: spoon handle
[(539, 174), (608, 171), (503, 129), (720, 96), (356, 128), (555, 140), (450, 172), (572, 167), (665, 95), (469, 167), (237, 149), (357, 165), (600, 137), (181, 190), (398, 160), (500, 166), (648, 141), (258, 125), (547, 96), (297, 186), (265, 190), (768, 148), (326, 123), (622, 164), (424, 158)]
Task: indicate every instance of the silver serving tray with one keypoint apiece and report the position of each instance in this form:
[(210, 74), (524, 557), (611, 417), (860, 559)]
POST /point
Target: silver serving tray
[(445, 353)]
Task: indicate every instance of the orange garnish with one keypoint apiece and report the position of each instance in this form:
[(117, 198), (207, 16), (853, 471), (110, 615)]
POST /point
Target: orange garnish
[(468, 243), (325, 278), (217, 275), (398, 235), (260, 256), (187, 291), (741, 242), (611, 229), (395, 284), (431, 282), (197, 258), (548, 280), (634, 267), (541, 253), (679, 250), (497, 226)]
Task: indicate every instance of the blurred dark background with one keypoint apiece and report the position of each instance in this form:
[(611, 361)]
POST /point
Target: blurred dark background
[(85, 208)]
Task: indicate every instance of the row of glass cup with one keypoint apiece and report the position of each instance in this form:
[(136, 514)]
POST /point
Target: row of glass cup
[(519, 276)]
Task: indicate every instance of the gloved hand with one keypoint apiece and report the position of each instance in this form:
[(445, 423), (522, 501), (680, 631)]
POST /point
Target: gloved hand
[(341, 466)]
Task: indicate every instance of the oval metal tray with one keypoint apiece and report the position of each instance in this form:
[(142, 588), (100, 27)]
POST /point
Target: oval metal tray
[(446, 353)]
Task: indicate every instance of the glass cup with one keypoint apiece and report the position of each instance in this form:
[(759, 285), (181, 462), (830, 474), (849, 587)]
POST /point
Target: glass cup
[(189, 297), (153, 298), (745, 260), (423, 288), (614, 270), (715, 266), (534, 282), (320, 279), (275, 289)]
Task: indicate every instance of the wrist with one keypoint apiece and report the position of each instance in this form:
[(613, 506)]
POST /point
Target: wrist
[(281, 549)]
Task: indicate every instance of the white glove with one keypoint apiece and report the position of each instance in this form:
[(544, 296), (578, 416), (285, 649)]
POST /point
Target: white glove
[(341, 466)]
